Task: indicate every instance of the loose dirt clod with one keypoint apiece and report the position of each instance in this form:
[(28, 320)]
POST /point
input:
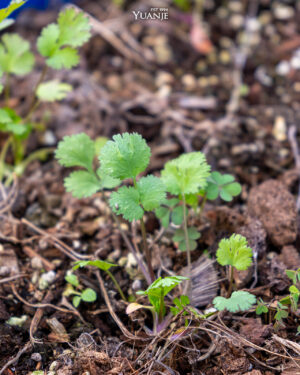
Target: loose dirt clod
[(275, 207)]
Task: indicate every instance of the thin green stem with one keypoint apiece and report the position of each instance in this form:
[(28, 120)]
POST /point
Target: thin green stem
[(145, 244), (116, 285), (34, 101), (187, 243), (7, 89), (161, 306), (3, 155), (230, 281)]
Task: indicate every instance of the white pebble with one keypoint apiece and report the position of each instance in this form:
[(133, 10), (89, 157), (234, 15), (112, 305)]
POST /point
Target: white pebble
[(283, 68)]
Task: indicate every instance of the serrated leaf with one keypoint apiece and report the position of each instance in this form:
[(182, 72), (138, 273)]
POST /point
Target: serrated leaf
[(152, 192), (126, 156), (82, 184), (74, 28), (187, 174), (47, 42), (239, 301), (53, 90), (15, 55), (88, 295), (76, 301), (76, 150), (235, 252), (63, 58), (101, 264), (72, 279), (125, 202)]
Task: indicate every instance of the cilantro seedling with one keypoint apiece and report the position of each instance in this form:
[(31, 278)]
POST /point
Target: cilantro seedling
[(58, 43), (104, 266), (238, 301), (125, 157), (74, 288), (234, 252), (182, 177), (156, 293)]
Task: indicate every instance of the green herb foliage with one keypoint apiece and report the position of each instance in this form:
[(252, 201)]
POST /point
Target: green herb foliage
[(86, 295), (239, 301)]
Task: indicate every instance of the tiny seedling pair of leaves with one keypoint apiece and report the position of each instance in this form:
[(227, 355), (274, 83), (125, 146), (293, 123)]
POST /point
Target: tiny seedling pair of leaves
[(87, 295), (193, 235), (180, 304), (235, 252), (186, 174), (239, 301), (170, 211), (125, 157), (281, 312), (261, 307), (159, 289), (221, 185), (292, 299), (79, 151), (59, 41), (101, 264)]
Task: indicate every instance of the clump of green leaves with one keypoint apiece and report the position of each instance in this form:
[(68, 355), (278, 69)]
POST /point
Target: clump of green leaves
[(223, 186), (101, 265), (80, 294), (58, 43)]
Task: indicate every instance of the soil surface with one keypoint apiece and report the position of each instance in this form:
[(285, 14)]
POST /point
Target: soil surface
[(226, 82)]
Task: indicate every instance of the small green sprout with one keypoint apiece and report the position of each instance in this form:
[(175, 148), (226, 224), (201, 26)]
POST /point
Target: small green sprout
[(281, 313), (87, 295), (193, 235), (101, 265), (293, 275), (180, 304), (223, 186), (235, 253), (157, 291), (182, 177), (171, 210), (238, 301), (261, 307)]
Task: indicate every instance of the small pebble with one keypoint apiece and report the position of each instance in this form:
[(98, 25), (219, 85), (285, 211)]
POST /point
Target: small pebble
[(236, 21), (283, 68), (36, 357), (295, 62), (279, 129), (189, 81), (224, 57), (53, 366), (46, 279), (49, 138), (4, 271), (36, 263), (136, 285), (282, 12)]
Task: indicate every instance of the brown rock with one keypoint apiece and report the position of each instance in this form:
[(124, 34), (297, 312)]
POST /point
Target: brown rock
[(290, 257), (254, 331), (275, 207)]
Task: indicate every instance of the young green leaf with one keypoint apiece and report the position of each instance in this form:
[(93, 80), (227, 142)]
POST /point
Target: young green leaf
[(15, 55), (126, 202), (261, 307), (159, 289), (186, 174), (223, 185), (76, 301), (72, 279), (101, 264), (88, 295), (107, 182), (52, 91), (193, 235), (126, 156), (74, 28), (76, 150), (152, 192), (163, 213), (82, 184), (10, 122), (180, 304), (58, 41), (235, 252), (239, 301)]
